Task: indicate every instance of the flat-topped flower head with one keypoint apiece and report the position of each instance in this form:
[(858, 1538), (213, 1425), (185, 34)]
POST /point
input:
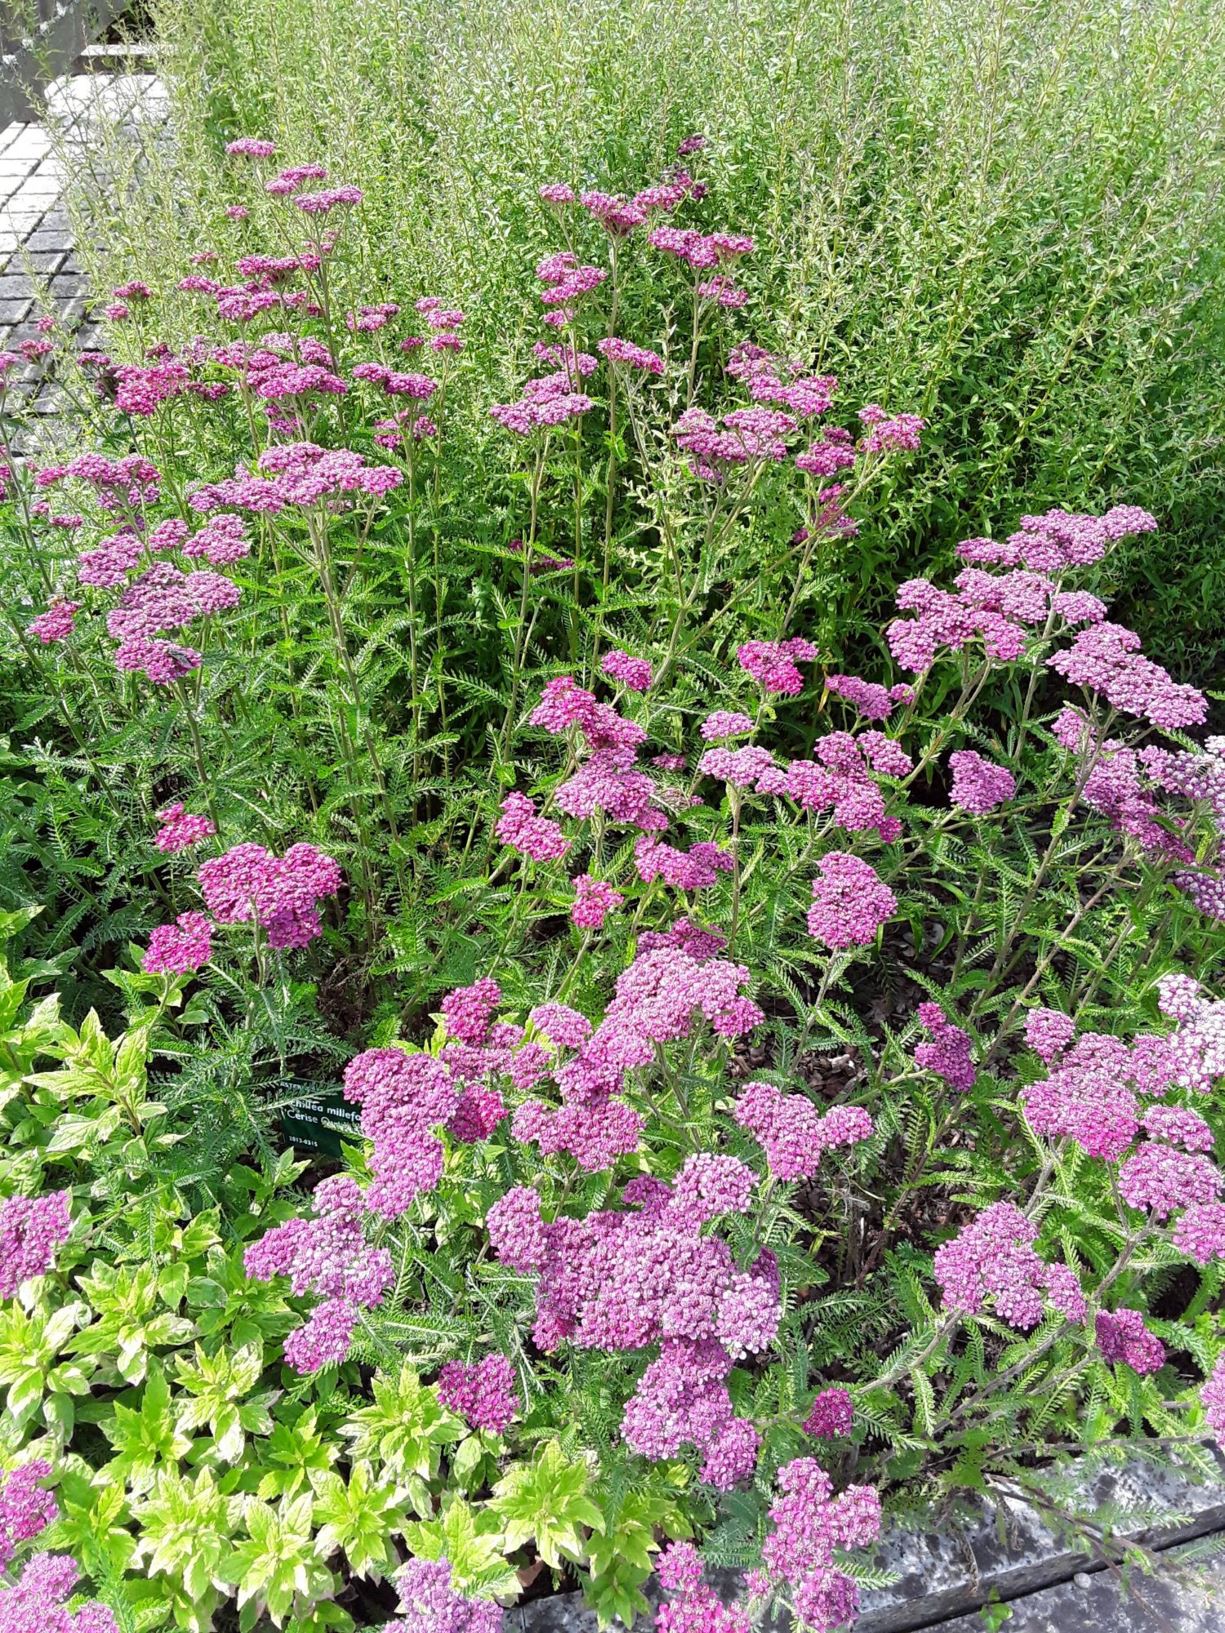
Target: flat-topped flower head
[(850, 902), (31, 1228)]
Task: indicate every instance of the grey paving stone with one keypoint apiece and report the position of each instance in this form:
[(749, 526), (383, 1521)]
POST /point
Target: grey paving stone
[(14, 311), (41, 261), (45, 240), (1174, 1599), (14, 285), (24, 225)]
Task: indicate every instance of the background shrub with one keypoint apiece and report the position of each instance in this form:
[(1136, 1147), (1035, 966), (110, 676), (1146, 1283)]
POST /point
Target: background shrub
[(1005, 215)]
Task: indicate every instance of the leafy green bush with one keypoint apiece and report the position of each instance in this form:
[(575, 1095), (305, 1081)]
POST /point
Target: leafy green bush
[(771, 1098), (1007, 216)]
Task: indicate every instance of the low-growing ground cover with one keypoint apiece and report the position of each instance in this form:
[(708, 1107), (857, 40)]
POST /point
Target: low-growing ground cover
[(782, 1089)]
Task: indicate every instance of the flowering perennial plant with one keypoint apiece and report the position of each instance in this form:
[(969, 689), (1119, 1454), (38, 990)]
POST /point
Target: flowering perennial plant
[(759, 1070)]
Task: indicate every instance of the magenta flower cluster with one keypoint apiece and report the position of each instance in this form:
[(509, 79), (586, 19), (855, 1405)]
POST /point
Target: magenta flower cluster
[(181, 829), (692, 1605), (949, 1054), (327, 1255), (791, 1131), (37, 1601), (429, 1604), (810, 1525), (831, 1414), (647, 1275), (850, 902), (993, 1258), (279, 893), (26, 1508), (978, 785), (31, 1228), (484, 1394)]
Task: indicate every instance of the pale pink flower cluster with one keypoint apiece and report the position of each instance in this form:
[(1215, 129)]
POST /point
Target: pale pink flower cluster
[(630, 356), (842, 779), (784, 384), (1160, 1179), (793, 1133), (659, 999), (871, 700), (1106, 658), (993, 1258), (1048, 1032), (297, 474), (889, 433), (1059, 539), (327, 1255), (56, 624), (627, 1280), (723, 723), (692, 1606), (850, 902), (694, 869), (748, 434), (524, 830), (565, 704)]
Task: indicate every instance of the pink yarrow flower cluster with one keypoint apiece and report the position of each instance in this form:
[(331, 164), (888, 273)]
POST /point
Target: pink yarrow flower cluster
[(627, 1280), (594, 900), (1124, 1339), (773, 663), (831, 1414), (993, 1258), (25, 1507), (674, 983), (534, 836), (633, 673), (181, 947), (841, 778), (429, 1604), (297, 474), (279, 893), (850, 902), (181, 829), (327, 1255), (484, 1394), (978, 785), (809, 1525), (31, 1228), (792, 1132), (692, 1606), (949, 1054), (37, 1601)]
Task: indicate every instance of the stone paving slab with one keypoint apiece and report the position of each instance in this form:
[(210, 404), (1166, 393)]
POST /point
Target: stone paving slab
[(39, 271), (1180, 1597)]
